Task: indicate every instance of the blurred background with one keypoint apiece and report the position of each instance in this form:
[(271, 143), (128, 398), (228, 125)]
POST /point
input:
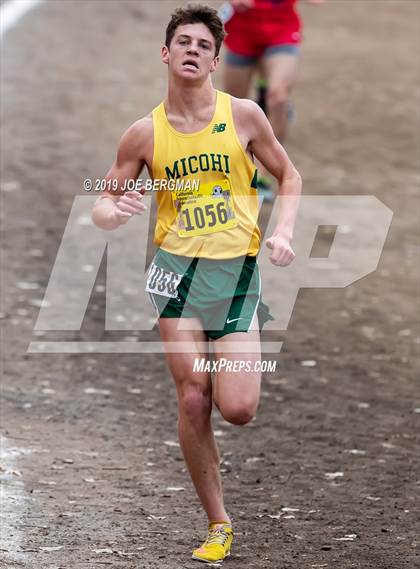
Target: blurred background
[(89, 455)]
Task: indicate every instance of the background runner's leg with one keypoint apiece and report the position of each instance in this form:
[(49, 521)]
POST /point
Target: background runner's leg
[(280, 70), (261, 87), (194, 391), (237, 79)]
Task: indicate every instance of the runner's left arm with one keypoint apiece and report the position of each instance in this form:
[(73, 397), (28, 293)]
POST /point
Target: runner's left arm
[(265, 146)]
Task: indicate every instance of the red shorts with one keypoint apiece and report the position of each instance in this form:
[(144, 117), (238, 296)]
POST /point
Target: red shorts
[(267, 26)]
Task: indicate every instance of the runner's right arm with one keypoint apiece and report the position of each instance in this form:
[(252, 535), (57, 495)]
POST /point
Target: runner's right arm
[(115, 207)]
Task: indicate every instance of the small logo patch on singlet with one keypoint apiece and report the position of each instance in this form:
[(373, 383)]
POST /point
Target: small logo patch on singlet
[(221, 127)]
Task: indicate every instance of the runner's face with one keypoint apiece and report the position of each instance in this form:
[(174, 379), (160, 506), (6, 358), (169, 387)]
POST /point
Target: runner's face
[(192, 52)]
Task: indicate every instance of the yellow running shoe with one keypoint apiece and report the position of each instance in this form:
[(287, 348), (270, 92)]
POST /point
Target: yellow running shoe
[(217, 545)]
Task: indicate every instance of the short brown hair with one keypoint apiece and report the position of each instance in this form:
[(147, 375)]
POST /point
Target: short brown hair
[(196, 14)]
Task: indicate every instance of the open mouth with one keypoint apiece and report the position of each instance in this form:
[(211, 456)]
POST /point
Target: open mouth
[(190, 63)]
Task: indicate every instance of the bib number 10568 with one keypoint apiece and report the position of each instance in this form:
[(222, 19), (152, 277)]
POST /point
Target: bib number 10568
[(208, 210), (198, 217)]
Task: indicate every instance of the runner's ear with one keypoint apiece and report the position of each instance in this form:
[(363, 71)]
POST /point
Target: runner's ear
[(165, 54), (214, 64)]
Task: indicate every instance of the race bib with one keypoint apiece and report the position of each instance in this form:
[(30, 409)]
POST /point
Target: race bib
[(206, 210), (162, 282)]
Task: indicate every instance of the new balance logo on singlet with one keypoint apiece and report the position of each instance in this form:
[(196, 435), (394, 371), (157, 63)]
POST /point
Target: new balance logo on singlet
[(219, 127)]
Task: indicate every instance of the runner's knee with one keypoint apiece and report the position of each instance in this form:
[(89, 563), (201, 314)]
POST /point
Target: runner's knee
[(277, 97), (194, 403), (238, 412)]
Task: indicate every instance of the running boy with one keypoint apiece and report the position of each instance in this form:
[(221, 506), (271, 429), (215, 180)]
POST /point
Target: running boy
[(204, 280)]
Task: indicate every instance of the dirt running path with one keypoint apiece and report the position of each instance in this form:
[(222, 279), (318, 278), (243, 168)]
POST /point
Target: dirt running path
[(92, 475)]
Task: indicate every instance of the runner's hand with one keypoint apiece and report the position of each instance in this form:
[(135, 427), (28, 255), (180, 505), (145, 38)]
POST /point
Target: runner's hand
[(242, 5), (129, 204), (281, 251)]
